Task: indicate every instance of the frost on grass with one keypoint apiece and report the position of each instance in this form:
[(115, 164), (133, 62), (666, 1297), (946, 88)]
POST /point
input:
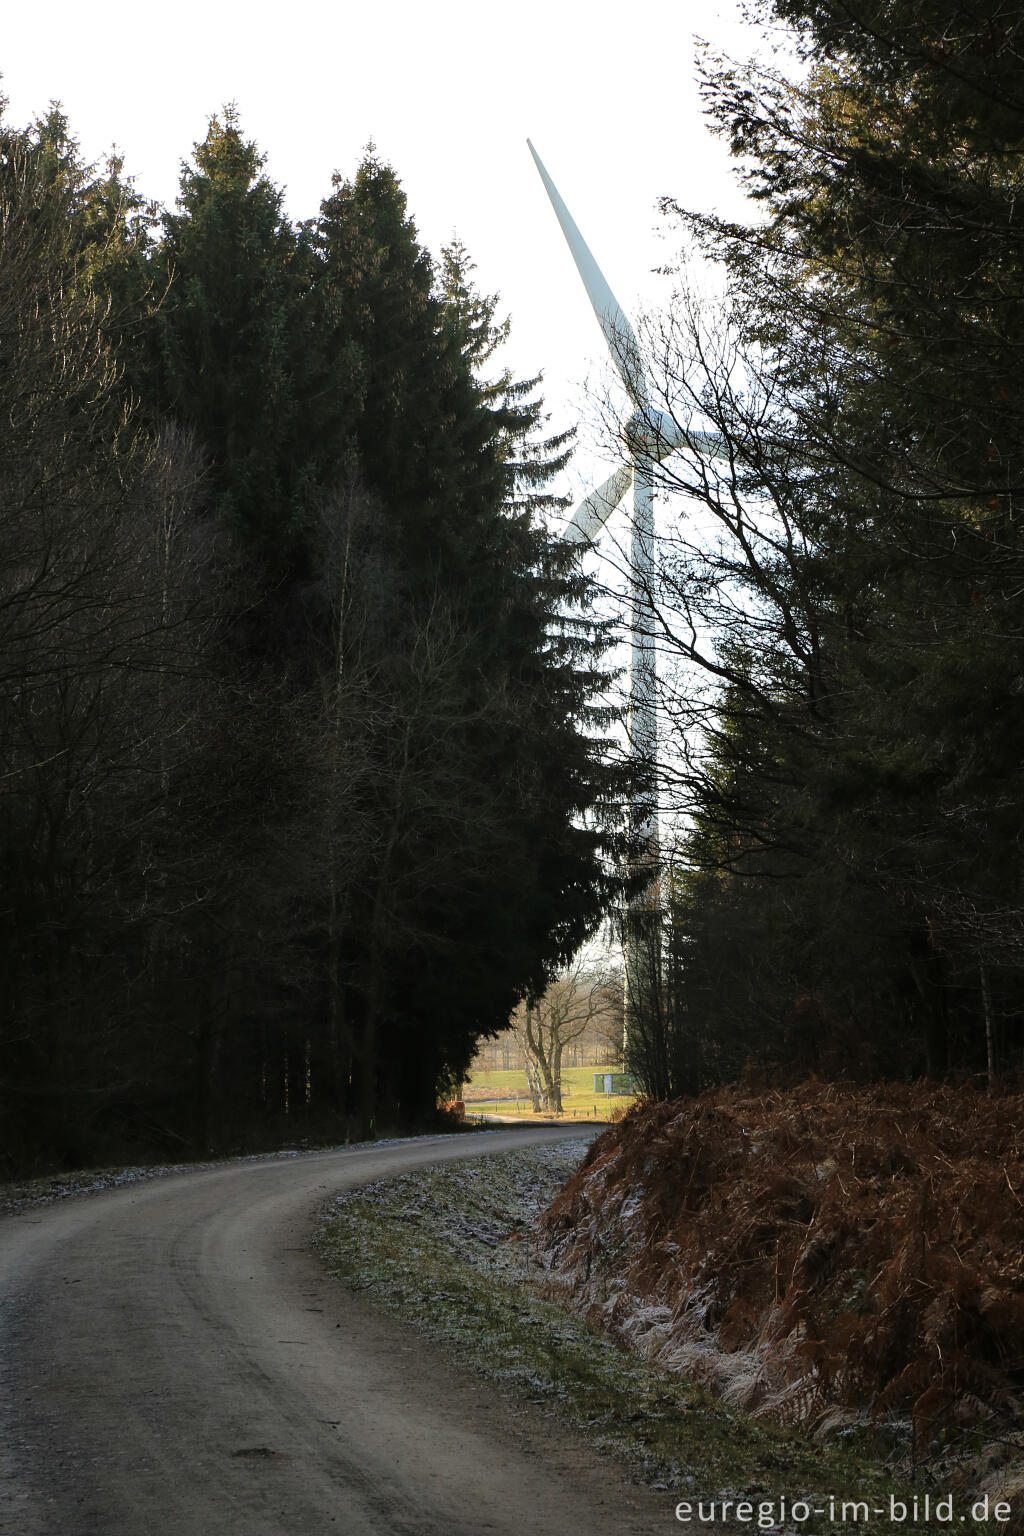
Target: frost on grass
[(483, 1225), (822, 1248), (824, 1257), (31, 1194), (451, 1251)]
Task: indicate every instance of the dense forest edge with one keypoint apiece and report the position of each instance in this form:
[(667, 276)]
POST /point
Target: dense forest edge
[(302, 783), (841, 619), (305, 784)]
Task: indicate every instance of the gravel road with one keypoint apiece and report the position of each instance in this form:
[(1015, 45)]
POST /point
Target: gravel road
[(173, 1362)]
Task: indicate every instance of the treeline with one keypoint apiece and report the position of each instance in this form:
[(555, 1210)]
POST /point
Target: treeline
[(300, 790), (849, 713)]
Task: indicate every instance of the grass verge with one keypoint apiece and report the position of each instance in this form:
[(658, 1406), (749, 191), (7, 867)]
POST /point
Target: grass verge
[(448, 1250), (596, 1111), (505, 1093)]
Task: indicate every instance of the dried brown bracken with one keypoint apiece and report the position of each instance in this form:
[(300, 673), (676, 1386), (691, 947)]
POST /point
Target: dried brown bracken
[(809, 1251)]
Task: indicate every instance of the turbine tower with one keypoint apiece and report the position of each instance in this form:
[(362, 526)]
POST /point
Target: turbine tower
[(649, 437)]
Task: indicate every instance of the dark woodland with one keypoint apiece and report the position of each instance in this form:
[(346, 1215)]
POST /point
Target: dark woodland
[(301, 785), (304, 771), (845, 897)]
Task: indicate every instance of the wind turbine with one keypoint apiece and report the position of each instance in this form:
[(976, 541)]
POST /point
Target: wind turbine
[(649, 437)]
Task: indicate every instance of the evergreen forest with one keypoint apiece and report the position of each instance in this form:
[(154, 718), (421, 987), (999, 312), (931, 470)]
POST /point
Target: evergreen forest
[(301, 780), (305, 781), (847, 704)]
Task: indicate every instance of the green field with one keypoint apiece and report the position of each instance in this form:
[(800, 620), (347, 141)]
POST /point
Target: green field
[(579, 1100)]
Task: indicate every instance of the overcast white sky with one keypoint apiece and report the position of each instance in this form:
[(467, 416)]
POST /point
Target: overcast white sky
[(449, 92)]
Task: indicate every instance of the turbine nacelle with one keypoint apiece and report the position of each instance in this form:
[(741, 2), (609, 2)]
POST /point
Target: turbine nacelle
[(650, 434)]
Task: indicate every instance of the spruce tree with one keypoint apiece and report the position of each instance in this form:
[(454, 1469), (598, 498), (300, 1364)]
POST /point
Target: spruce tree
[(227, 337), (486, 882), (880, 304)]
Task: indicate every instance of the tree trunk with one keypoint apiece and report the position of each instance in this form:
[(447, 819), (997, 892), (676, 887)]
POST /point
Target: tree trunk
[(533, 1083), (556, 1079)]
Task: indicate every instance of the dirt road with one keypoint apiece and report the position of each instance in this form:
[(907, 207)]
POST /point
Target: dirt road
[(173, 1362)]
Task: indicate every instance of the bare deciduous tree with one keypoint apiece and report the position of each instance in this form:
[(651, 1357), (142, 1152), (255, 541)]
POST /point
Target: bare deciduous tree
[(545, 1028)]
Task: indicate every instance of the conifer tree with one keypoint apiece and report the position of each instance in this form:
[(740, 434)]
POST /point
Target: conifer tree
[(317, 721), (879, 302), (485, 871), (101, 613), (227, 335)]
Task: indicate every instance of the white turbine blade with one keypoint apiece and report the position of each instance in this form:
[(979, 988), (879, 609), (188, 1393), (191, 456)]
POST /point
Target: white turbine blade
[(618, 332), (709, 445), (595, 510), (664, 437)]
